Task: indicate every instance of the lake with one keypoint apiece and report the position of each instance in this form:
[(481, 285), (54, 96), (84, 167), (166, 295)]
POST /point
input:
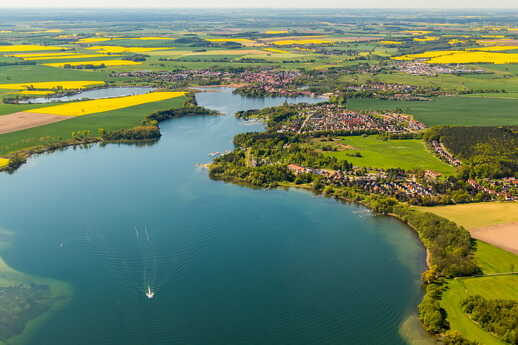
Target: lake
[(107, 92), (229, 265)]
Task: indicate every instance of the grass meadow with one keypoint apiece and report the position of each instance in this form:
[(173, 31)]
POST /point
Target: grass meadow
[(505, 287), (406, 154), (491, 260)]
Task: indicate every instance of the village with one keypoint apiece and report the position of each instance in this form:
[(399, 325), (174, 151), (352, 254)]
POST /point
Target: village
[(399, 184), (425, 69), (406, 186), (332, 117), (265, 81), (501, 189)]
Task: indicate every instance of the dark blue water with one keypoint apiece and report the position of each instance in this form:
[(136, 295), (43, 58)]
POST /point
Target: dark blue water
[(229, 265)]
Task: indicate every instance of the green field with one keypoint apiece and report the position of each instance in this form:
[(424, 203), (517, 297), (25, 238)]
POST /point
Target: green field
[(505, 287), (491, 260), (406, 154), (470, 111), (13, 108), (477, 215), (111, 120), (495, 260), (443, 81), (35, 73)]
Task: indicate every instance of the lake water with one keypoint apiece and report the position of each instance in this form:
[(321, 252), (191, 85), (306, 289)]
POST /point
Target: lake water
[(108, 92), (229, 265)]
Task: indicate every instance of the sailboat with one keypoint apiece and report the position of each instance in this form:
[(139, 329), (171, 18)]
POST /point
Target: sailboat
[(149, 293)]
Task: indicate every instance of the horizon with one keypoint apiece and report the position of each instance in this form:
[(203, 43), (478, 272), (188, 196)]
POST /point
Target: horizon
[(465, 5)]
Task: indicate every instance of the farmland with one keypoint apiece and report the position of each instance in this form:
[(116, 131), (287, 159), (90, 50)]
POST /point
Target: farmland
[(479, 215), (471, 111), (51, 85), (108, 63), (110, 120), (103, 105), (406, 154)]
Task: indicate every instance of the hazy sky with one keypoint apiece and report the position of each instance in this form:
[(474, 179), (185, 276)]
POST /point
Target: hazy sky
[(467, 4)]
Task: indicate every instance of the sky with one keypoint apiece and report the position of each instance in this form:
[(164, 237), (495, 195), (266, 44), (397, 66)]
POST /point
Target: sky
[(465, 4)]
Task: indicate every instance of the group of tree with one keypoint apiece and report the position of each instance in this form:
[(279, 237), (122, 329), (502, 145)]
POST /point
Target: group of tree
[(499, 317)]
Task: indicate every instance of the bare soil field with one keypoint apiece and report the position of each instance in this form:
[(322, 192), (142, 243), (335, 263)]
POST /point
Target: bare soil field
[(504, 236), (493, 222), (23, 120)]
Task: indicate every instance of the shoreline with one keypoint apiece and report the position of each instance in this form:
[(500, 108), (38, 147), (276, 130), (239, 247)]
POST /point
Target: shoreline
[(20, 156), (60, 294)]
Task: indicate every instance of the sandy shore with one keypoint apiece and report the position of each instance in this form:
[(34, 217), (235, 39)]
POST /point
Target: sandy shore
[(23, 120), (503, 236)]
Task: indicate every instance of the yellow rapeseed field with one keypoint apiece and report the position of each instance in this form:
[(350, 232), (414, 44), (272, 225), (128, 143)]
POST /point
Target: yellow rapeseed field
[(455, 41), (426, 39), (68, 85), (273, 50), (71, 56), (93, 40), (417, 32), (28, 55), (492, 36), (273, 32), (390, 42), (459, 56), (119, 49), (495, 48), (476, 57), (50, 31), (106, 104), (426, 55), (307, 41), (28, 48), (107, 63)]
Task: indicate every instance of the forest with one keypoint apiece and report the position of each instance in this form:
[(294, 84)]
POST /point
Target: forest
[(487, 152)]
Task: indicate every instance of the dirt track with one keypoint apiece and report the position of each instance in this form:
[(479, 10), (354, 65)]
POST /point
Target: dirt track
[(23, 120), (504, 236)]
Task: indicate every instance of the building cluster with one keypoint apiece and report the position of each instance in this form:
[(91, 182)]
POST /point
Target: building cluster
[(384, 87), (332, 117), (502, 189), (185, 75), (269, 79), (391, 91), (424, 69), (402, 186), (441, 151), (272, 83)]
